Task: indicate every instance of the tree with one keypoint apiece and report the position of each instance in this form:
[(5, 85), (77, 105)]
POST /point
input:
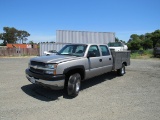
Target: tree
[(134, 37), (134, 43), (146, 41), (22, 35), (147, 44), (116, 39), (148, 35), (142, 37), (123, 41), (11, 35), (155, 37), (31, 42)]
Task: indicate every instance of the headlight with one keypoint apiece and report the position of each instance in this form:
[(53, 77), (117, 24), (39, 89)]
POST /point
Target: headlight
[(51, 66)]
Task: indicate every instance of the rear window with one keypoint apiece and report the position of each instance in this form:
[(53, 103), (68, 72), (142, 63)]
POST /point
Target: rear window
[(117, 44)]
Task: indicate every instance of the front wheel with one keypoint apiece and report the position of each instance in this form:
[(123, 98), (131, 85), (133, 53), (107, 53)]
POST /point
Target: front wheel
[(121, 71), (74, 83)]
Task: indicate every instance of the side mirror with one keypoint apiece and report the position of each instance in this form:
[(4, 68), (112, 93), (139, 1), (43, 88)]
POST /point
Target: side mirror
[(91, 54)]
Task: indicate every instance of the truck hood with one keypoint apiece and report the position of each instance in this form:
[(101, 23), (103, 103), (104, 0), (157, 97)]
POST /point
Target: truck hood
[(54, 58)]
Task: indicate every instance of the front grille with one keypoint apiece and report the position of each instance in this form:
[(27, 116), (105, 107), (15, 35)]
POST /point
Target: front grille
[(36, 70), (37, 63)]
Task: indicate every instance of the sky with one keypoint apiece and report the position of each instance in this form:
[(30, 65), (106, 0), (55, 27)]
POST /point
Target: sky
[(41, 18)]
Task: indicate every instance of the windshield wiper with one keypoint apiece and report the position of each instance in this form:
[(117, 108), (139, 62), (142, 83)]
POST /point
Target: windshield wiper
[(64, 54)]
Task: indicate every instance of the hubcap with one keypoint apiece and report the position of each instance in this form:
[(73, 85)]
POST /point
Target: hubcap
[(74, 84), (123, 70), (77, 86)]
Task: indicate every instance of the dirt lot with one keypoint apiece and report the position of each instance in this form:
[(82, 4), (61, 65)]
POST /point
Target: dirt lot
[(135, 96)]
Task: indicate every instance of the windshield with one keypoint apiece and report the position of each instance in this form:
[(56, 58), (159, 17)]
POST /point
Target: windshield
[(116, 44), (73, 50)]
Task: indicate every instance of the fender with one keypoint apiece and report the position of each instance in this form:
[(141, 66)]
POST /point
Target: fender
[(75, 67)]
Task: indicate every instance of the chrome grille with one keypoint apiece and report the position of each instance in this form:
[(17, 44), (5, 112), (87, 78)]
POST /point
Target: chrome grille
[(36, 70), (38, 64)]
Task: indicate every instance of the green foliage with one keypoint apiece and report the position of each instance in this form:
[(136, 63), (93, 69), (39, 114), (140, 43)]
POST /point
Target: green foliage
[(155, 37), (148, 52), (31, 42), (145, 54), (9, 35), (134, 55), (12, 35), (134, 36), (147, 44), (158, 45), (117, 40), (135, 44), (146, 41), (22, 35)]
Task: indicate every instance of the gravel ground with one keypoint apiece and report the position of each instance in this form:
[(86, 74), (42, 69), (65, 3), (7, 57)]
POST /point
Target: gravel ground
[(134, 96)]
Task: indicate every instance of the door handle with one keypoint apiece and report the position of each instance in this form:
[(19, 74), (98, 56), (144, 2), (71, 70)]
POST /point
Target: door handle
[(109, 58), (100, 60)]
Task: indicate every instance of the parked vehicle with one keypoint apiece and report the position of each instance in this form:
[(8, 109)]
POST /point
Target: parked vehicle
[(75, 63), (51, 52), (156, 51), (118, 46)]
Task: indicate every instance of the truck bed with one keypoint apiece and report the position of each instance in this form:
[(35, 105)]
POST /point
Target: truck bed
[(120, 57)]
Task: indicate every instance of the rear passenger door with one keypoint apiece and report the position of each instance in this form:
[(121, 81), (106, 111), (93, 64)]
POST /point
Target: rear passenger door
[(107, 60)]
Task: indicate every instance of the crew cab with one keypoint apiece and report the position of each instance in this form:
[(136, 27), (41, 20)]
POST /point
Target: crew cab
[(75, 63)]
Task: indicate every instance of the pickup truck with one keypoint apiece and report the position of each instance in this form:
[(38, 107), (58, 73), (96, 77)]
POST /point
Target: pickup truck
[(75, 63), (117, 46)]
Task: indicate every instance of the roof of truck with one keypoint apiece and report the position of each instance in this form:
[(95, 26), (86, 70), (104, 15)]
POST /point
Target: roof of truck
[(86, 44)]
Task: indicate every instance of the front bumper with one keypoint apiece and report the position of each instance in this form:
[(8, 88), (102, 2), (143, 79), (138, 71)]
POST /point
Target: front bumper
[(51, 81)]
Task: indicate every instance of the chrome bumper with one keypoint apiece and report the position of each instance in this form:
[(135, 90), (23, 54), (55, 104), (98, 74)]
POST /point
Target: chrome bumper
[(56, 85)]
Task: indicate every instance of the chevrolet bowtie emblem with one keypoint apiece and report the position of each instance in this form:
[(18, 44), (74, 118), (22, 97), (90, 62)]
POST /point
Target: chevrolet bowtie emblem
[(35, 67)]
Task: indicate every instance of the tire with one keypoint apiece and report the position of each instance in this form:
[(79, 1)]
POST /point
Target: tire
[(73, 84), (121, 71)]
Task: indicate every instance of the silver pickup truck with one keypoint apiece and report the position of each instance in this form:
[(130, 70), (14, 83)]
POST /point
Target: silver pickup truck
[(75, 63)]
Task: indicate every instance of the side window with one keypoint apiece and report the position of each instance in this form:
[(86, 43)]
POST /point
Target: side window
[(94, 48), (104, 50)]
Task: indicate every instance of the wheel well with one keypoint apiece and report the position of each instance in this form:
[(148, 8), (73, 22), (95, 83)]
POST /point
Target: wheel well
[(76, 70), (125, 63)]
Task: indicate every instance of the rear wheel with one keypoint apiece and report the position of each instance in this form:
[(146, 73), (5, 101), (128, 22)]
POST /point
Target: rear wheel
[(121, 71), (73, 85)]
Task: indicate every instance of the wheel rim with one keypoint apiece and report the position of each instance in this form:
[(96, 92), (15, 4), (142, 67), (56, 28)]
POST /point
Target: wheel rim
[(122, 70), (77, 85), (74, 84)]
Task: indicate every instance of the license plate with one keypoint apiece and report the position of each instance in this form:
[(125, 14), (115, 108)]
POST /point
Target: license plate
[(32, 80)]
